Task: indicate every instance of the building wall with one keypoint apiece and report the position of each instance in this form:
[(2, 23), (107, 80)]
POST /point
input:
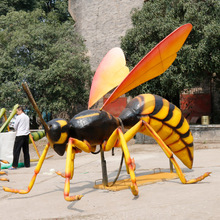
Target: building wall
[(102, 23), (215, 116), (194, 106)]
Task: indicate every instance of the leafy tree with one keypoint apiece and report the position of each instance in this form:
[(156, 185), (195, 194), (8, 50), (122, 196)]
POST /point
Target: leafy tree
[(58, 7), (196, 61), (49, 55), (16, 5)]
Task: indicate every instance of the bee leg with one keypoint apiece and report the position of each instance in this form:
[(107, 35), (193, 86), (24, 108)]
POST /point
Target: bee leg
[(36, 171), (4, 161), (129, 162), (72, 168), (33, 142), (69, 170), (118, 134), (60, 174), (63, 174), (169, 154), (77, 150), (131, 133), (4, 179), (3, 172)]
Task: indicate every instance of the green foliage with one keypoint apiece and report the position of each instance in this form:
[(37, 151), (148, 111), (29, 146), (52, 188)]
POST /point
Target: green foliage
[(36, 47), (199, 57), (16, 5), (59, 8)]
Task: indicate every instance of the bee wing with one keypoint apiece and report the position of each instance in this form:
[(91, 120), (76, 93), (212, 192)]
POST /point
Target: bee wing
[(109, 74), (154, 63)]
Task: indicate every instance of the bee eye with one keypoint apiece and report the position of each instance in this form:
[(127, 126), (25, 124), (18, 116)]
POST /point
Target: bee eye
[(54, 131), (58, 130)]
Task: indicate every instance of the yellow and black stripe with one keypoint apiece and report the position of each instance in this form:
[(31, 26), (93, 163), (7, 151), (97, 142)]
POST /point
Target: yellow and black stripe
[(58, 134), (92, 125), (168, 121), (58, 131), (37, 135)]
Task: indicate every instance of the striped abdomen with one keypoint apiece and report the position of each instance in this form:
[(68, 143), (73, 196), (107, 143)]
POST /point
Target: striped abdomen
[(37, 135), (166, 119)]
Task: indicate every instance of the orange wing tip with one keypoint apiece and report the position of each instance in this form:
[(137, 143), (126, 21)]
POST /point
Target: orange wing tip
[(154, 63), (109, 74)]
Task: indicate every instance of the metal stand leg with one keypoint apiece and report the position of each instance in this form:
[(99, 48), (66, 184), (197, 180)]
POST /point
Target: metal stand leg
[(104, 169), (171, 167)]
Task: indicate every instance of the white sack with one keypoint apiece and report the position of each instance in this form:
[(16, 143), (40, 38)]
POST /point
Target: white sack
[(7, 140)]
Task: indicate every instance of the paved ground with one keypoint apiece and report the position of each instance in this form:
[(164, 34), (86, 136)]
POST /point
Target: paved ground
[(162, 200)]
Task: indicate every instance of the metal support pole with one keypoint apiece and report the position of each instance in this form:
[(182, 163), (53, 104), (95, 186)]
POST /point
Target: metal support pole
[(171, 166), (104, 168)]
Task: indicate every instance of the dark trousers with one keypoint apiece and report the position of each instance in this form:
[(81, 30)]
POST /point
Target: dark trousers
[(21, 142)]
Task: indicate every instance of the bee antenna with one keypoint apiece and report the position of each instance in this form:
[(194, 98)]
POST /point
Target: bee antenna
[(31, 99)]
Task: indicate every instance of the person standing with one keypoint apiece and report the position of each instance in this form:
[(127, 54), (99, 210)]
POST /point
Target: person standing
[(22, 127)]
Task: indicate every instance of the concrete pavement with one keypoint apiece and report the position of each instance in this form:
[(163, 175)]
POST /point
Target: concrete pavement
[(163, 200)]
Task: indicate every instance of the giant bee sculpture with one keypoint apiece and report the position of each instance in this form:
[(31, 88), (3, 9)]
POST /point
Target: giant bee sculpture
[(149, 114)]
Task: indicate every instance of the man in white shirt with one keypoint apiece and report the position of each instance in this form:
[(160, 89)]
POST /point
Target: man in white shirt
[(21, 126)]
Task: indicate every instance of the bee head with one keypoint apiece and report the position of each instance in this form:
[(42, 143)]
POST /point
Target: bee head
[(58, 135)]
